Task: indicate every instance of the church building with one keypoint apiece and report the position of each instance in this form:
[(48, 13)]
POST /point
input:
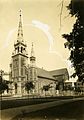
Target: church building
[(21, 71)]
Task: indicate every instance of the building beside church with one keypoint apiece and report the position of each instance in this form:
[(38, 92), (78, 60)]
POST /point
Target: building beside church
[(21, 71)]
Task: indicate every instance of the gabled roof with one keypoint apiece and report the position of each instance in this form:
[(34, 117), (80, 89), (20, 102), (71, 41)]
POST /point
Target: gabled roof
[(59, 72), (51, 74), (44, 74)]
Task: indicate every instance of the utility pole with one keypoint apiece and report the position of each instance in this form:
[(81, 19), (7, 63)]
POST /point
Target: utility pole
[(1, 73)]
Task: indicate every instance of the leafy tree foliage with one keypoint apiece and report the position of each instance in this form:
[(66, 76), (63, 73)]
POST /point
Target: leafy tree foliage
[(68, 87), (29, 86), (3, 85), (75, 39), (46, 88), (77, 88), (58, 86)]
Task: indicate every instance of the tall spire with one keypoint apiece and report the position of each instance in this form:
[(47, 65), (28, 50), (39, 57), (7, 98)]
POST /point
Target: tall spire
[(32, 57), (32, 50), (20, 31)]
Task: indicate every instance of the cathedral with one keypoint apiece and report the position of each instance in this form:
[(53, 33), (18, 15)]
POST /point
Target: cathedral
[(21, 71)]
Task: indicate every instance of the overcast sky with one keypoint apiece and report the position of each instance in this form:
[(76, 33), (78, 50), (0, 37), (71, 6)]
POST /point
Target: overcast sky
[(41, 25)]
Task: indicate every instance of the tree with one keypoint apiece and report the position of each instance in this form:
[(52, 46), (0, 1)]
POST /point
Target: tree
[(46, 88), (57, 86), (68, 87), (75, 40), (3, 85), (77, 88), (29, 86)]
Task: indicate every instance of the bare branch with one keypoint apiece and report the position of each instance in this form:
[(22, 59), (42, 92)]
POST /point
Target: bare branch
[(61, 12)]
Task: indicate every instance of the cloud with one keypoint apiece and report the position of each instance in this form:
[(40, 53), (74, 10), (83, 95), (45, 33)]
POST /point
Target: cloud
[(45, 28)]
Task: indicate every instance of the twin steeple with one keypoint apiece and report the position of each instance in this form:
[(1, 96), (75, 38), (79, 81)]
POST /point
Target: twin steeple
[(32, 57), (20, 30), (32, 50)]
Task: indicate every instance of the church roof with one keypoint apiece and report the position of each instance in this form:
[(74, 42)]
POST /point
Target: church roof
[(44, 74), (59, 72), (51, 74)]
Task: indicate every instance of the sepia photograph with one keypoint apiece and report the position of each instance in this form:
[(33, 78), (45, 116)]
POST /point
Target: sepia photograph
[(41, 59)]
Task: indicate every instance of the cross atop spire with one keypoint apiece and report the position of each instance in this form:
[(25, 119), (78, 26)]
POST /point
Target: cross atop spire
[(20, 31), (20, 12)]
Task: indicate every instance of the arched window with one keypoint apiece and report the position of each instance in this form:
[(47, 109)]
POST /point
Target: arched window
[(21, 49), (18, 49)]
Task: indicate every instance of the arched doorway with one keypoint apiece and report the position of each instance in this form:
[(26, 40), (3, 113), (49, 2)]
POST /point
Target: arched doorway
[(15, 88)]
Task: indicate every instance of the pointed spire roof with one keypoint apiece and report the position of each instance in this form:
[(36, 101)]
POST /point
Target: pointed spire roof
[(32, 57), (20, 30), (32, 50)]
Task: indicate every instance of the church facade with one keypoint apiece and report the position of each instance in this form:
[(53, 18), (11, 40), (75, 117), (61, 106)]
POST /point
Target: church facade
[(21, 71)]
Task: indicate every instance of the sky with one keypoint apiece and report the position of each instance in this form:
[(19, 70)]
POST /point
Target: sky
[(41, 25)]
